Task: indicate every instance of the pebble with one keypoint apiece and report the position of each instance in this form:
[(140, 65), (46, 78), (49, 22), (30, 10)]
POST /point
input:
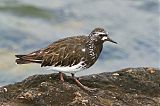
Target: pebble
[(5, 89), (115, 74)]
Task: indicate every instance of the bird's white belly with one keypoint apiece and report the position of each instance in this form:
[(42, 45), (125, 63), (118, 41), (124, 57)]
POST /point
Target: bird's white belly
[(68, 69)]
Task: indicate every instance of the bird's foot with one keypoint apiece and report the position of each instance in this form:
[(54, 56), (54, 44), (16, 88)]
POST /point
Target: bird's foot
[(82, 86)]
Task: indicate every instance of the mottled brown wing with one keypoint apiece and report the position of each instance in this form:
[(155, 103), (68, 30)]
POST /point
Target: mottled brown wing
[(65, 52)]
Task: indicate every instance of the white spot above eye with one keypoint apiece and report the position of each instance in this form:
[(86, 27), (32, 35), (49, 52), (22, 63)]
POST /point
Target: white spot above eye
[(102, 33), (83, 50), (104, 38)]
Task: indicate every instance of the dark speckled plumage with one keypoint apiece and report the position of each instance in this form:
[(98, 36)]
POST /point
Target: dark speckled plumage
[(69, 51), (69, 54)]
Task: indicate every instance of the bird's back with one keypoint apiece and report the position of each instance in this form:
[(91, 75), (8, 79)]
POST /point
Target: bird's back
[(64, 52)]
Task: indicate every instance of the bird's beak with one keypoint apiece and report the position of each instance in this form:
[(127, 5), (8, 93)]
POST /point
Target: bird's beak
[(109, 39)]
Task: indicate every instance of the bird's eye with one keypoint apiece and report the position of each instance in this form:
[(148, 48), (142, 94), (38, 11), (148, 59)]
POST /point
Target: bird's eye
[(101, 34)]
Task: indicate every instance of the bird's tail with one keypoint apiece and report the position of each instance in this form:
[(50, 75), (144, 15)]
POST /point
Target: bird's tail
[(25, 59), (21, 60)]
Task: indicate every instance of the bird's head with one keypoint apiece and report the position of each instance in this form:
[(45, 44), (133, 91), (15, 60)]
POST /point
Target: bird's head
[(100, 35)]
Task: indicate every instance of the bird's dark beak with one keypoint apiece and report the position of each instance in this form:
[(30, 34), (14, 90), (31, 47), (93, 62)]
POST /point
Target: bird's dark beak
[(109, 39)]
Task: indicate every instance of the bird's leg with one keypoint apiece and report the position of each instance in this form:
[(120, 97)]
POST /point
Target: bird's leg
[(61, 76), (80, 84)]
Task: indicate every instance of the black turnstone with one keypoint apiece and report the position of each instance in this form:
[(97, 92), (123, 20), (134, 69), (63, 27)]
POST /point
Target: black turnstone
[(69, 54)]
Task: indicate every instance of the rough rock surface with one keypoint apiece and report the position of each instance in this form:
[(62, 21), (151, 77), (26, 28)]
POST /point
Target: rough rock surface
[(126, 87)]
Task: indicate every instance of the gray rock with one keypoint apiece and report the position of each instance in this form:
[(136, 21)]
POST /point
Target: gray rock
[(126, 87)]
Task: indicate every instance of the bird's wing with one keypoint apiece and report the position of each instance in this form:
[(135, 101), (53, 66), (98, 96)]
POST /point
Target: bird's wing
[(65, 52)]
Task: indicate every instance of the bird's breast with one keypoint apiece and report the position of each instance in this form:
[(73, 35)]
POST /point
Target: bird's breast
[(92, 53)]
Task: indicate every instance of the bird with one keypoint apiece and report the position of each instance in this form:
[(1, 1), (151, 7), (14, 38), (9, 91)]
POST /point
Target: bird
[(70, 54)]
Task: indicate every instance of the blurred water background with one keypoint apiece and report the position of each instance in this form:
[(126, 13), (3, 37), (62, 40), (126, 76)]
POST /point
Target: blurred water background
[(27, 25)]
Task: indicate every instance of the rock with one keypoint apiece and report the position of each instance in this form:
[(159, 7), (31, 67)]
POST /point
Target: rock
[(126, 87)]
